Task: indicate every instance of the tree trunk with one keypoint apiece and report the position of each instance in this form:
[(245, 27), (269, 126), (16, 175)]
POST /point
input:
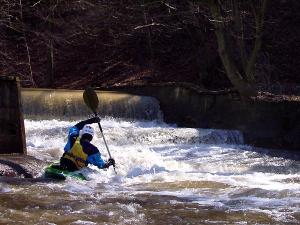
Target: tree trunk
[(31, 79), (149, 33), (259, 22), (50, 50), (243, 87)]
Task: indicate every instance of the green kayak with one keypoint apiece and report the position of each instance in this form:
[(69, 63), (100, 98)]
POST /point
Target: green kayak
[(55, 172)]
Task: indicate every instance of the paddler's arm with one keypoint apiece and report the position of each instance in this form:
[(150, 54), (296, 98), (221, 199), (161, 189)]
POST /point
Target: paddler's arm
[(96, 160), (94, 156), (74, 131), (81, 124), (73, 134)]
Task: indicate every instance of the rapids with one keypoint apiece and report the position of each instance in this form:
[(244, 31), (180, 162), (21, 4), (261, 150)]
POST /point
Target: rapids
[(165, 175)]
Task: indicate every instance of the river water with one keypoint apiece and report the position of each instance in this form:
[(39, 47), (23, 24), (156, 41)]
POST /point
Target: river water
[(165, 175)]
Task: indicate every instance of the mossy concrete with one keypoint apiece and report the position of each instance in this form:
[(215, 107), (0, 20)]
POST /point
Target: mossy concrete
[(12, 135)]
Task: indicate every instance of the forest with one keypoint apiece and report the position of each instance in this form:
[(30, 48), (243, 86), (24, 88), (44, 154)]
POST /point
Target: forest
[(246, 45)]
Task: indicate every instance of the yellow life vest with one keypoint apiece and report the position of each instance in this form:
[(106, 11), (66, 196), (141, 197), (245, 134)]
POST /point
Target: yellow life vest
[(77, 155)]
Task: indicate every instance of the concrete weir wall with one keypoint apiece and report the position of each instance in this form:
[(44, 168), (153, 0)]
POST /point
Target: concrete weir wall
[(12, 135), (269, 124), (68, 104), (263, 123)]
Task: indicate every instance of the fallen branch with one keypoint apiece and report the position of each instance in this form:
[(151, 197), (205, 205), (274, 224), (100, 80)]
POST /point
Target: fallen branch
[(149, 25)]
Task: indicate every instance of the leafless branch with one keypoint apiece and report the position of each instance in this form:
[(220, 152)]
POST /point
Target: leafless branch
[(148, 25)]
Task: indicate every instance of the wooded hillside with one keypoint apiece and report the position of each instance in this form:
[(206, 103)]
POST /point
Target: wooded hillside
[(70, 44)]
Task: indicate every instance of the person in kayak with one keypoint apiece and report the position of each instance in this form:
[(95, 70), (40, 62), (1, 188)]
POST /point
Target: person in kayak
[(79, 152)]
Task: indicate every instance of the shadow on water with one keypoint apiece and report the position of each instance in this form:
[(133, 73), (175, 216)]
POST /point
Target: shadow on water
[(277, 161), (276, 153), (24, 181)]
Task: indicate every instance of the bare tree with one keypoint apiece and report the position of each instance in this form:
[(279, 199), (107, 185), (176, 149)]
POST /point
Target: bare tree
[(227, 17), (23, 30)]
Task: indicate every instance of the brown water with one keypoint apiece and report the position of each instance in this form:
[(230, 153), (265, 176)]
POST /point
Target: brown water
[(48, 204), (166, 175)]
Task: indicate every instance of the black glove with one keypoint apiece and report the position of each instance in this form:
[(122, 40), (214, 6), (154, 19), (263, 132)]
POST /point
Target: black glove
[(95, 119), (110, 162)]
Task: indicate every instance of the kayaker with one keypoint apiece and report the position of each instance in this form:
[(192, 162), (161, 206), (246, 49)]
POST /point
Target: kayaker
[(79, 152)]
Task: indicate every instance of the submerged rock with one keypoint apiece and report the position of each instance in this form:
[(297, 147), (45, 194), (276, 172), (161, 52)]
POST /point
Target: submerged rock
[(21, 166)]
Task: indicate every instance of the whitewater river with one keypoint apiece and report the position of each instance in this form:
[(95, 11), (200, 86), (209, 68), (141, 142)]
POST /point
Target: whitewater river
[(165, 175)]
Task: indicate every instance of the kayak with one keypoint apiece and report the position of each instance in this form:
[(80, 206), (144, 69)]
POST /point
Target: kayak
[(54, 171)]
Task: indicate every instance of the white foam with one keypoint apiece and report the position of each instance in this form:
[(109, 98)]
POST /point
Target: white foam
[(147, 152), (83, 222)]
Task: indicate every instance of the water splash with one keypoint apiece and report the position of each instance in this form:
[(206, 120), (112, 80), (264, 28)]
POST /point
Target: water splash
[(177, 168)]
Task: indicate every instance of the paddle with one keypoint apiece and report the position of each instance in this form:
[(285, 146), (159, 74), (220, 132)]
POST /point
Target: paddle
[(91, 100)]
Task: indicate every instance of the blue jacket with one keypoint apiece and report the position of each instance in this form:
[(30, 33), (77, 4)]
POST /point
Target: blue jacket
[(94, 156)]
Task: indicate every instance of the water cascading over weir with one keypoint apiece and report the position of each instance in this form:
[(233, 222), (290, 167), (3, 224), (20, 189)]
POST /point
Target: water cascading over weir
[(69, 104)]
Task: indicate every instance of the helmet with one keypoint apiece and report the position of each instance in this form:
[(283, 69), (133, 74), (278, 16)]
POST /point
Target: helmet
[(87, 129)]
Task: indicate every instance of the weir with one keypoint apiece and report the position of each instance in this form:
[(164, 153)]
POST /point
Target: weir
[(67, 104), (264, 122)]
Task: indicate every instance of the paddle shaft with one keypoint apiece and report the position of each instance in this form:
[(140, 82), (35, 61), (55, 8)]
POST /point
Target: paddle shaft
[(104, 140), (99, 125)]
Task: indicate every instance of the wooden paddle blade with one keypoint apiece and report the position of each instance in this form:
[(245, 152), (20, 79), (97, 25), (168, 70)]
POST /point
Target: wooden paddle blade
[(91, 99)]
